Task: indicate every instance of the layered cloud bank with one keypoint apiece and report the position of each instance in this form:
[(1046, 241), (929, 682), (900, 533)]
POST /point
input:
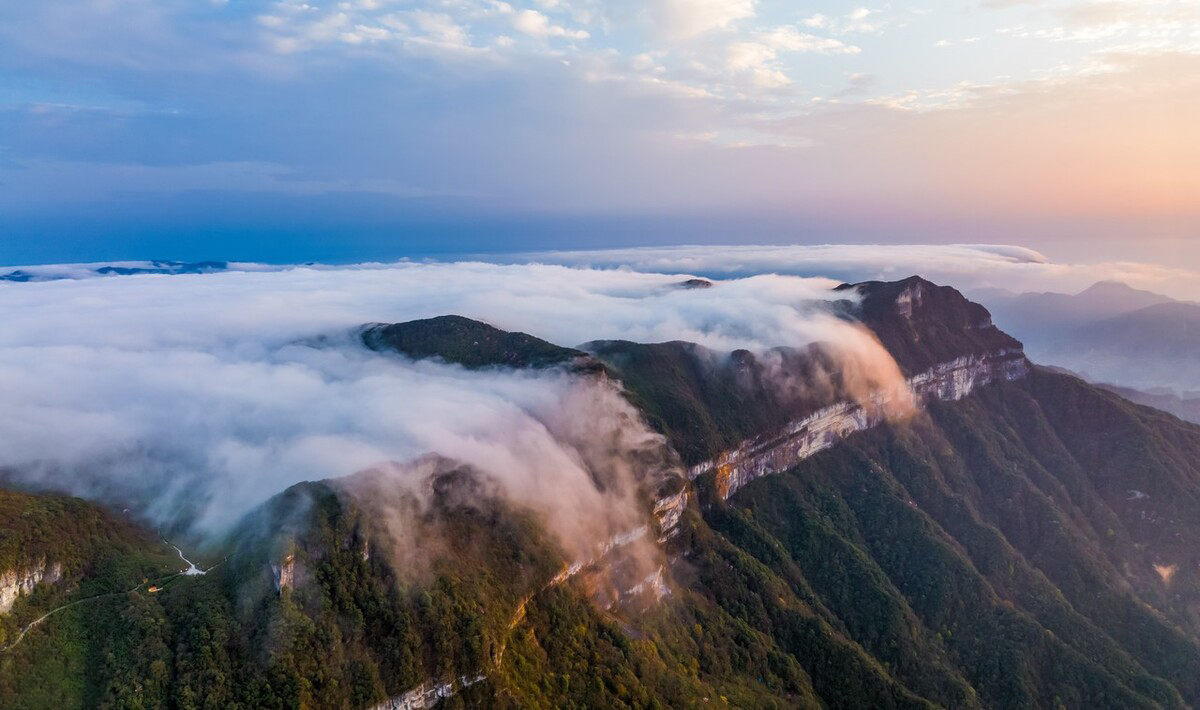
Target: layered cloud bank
[(200, 395), (967, 267)]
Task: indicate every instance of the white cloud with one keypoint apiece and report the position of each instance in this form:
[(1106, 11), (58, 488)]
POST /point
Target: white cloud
[(860, 20), (760, 59), (965, 266), (943, 43), (817, 21), (211, 393), (685, 19), (789, 39), (536, 24)]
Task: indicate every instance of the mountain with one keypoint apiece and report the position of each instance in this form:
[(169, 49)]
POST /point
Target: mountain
[(1037, 312), (1110, 333), (1150, 348), (56, 272), (1185, 407), (1021, 539), (466, 342)]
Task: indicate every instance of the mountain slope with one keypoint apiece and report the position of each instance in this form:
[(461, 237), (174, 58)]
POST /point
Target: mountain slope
[(1022, 540), (466, 342), (1009, 539), (73, 581)]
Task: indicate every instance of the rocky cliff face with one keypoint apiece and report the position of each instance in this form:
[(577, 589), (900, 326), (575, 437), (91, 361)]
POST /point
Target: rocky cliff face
[(429, 694), (16, 583), (284, 573), (945, 381), (923, 325), (825, 427)]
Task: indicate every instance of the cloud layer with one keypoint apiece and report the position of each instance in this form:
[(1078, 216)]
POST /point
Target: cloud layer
[(206, 394), (969, 267)]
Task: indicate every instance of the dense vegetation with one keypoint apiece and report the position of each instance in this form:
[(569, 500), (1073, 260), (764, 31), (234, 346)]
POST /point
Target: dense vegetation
[(466, 342), (1033, 545), (706, 402), (1000, 535)]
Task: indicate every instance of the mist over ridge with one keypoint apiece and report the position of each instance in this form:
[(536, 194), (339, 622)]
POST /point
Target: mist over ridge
[(199, 396)]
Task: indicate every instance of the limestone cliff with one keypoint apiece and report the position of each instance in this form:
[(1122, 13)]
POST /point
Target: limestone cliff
[(19, 582)]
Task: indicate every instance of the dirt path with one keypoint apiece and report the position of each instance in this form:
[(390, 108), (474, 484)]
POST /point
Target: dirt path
[(57, 609)]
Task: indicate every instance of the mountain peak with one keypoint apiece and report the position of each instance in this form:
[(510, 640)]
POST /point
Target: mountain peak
[(1120, 294), (922, 324), (466, 342)]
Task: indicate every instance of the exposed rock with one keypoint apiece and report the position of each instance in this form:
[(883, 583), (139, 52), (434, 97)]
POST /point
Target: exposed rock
[(654, 584), (285, 573), (773, 453), (429, 694), (667, 511), (16, 583)]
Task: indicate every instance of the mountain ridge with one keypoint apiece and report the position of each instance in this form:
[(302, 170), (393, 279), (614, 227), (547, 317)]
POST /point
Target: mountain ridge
[(986, 550)]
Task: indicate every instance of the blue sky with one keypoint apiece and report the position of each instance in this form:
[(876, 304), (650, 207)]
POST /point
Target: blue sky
[(289, 131)]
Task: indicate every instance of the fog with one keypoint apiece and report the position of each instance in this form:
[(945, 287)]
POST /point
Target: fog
[(193, 398)]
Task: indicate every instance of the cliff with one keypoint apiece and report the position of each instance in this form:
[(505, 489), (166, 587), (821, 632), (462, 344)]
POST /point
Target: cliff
[(804, 437), (18, 582)]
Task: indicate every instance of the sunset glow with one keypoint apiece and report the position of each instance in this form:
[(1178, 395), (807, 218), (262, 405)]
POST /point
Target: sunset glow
[(375, 128)]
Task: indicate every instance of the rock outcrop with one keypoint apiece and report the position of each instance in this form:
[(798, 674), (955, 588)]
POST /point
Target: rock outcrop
[(779, 451), (19, 582), (429, 694)]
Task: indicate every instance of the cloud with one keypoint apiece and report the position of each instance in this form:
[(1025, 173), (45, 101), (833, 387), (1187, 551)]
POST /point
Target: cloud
[(858, 20), (966, 266), (686, 19), (943, 43), (204, 395), (535, 24)]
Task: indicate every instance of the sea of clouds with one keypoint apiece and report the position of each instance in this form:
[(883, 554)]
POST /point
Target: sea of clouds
[(193, 398)]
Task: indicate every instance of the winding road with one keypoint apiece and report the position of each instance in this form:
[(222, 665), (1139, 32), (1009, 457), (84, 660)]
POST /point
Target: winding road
[(191, 571), (57, 609)]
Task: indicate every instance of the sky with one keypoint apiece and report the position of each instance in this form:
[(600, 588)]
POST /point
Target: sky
[(373, 129)]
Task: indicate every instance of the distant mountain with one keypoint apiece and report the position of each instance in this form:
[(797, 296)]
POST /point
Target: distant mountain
[(1039, 315), (1110, 333), (1166, 329), (57, 272), (1026, 540), (1186, 407)]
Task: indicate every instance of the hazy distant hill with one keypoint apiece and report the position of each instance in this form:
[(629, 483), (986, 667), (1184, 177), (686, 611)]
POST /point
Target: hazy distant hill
[(1109, 333), (1185, 407), (1029, 314)]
